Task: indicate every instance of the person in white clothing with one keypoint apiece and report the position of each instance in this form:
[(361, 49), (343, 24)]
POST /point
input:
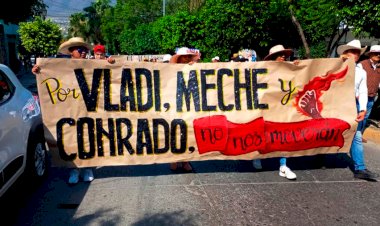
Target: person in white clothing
[(353, 50)]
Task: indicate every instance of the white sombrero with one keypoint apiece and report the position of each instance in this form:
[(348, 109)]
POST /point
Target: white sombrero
[(373, 49), (75, 41), (278, 49), (354, 44), (183, 51)]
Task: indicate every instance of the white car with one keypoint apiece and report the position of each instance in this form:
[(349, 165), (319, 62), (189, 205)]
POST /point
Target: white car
[(22, 144)]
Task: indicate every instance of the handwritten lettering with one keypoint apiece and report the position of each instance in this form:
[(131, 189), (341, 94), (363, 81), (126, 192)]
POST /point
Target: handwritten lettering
[(56, 92), (118, 134), (193, 89), (285, 99)]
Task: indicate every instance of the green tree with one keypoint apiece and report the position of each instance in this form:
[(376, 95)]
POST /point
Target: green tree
[(231, 25), (94, 14), (126, 16), (362, 16), (222, 27), (315, 22), (79, 26), (139, 41), (40, 37)]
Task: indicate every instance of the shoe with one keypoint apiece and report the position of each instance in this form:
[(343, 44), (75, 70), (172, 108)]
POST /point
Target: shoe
[(286, 172), (256, 163), (74, 176), (88, 175), (365, 175), (364, 140)]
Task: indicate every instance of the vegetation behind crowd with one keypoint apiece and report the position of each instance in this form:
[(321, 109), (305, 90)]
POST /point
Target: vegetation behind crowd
[(217, 27)]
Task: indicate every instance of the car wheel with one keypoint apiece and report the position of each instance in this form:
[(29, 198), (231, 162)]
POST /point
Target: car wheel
[(36, 162)]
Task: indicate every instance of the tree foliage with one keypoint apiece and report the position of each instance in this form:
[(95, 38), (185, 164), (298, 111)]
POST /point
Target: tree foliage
[(87, 24), (40, 37), (222, 27), (79, 26), (363, 16)]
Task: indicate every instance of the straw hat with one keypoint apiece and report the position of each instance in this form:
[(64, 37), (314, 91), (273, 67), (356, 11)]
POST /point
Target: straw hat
[(278, 49), (75, 41), (374, 49), (354, 44)]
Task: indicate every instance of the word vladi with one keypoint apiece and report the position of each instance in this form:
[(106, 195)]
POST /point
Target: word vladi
[(140, 90)]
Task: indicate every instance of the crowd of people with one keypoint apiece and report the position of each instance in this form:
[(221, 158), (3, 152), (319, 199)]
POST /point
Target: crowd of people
[(367, 84)]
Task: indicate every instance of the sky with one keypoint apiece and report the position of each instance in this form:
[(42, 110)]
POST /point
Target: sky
[(64, 8)]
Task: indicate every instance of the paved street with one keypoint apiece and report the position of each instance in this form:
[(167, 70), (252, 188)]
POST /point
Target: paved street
[(218, 193)]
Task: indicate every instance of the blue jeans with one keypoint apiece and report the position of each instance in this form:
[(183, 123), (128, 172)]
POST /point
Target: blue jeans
[(362, 124), (282, 161), (357, 150)]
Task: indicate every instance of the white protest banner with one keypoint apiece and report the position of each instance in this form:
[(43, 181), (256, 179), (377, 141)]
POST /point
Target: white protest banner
[(128, 113)]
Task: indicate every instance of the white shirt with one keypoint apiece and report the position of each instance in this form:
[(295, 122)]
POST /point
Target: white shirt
[(361, 91)]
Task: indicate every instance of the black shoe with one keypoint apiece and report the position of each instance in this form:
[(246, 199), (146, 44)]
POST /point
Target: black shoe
[(365, 175)]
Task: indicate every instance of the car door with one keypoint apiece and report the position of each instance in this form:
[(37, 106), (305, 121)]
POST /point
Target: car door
[(13, 130)]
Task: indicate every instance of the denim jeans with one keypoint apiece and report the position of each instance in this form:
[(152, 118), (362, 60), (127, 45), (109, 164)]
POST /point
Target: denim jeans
[(362, 124), (357, 150)]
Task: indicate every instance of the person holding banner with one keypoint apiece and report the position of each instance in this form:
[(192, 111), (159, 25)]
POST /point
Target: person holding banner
[(100, 53), (183, 55), (77, 48), (280, 54), (372, 67), (353, 50)]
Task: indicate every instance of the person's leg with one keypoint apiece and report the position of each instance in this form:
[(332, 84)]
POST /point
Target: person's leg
[(357, 155), (74, 176), (256, 163), (285, 171), (356, 151), (88, 175), (363, 124)]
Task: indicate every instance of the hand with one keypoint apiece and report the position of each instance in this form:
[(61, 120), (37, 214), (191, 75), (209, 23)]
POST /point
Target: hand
[(36, 69), (296, 62), (360, 116), (344, 57), (111, 60)]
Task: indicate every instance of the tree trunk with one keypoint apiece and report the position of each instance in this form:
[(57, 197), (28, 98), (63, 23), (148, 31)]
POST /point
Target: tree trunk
[(300, 31), (333, 44)]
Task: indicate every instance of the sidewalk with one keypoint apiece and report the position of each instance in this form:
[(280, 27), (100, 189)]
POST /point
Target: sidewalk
[(372, 133)]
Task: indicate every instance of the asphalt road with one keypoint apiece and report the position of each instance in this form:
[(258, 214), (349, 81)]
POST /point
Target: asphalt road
[(218, 193)]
